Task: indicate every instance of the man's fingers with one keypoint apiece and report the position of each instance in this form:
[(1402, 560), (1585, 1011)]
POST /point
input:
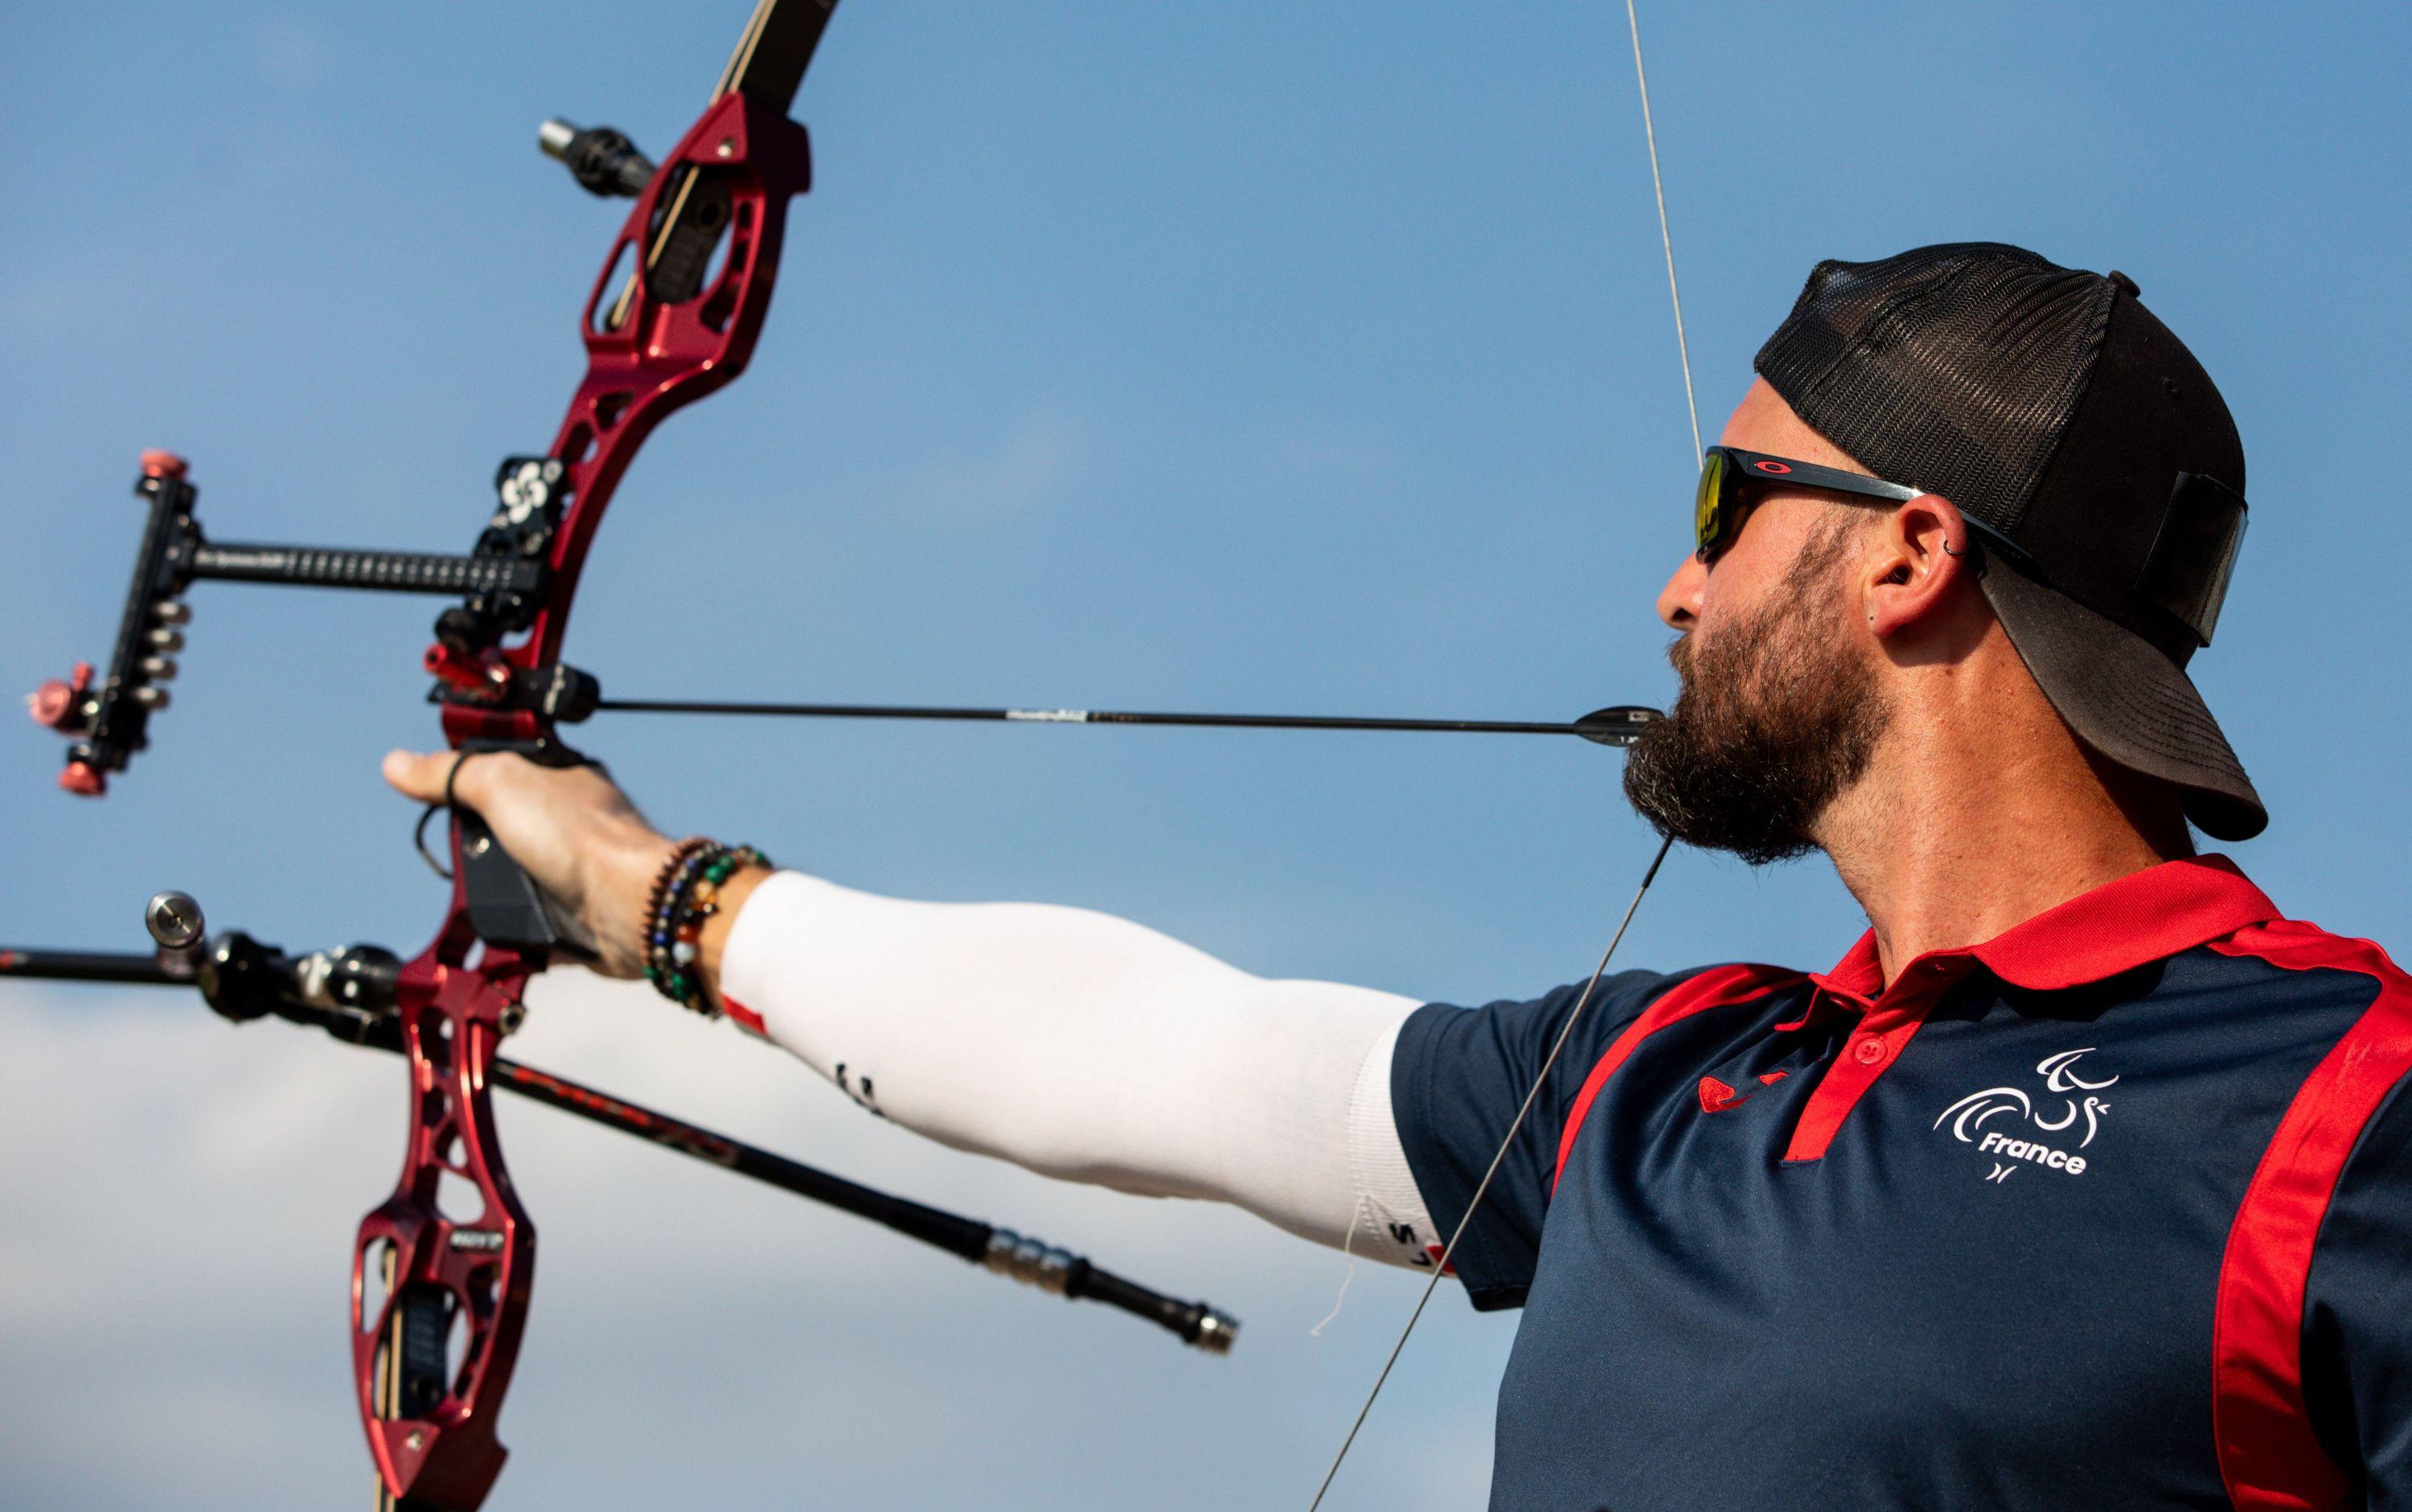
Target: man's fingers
[(502, 779), (420, 777)]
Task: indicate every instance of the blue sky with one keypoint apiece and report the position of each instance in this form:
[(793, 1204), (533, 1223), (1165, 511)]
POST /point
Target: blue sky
[(1252, 356)]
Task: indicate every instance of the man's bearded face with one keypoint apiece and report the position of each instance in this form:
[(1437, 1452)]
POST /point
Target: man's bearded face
[(1777, 716)]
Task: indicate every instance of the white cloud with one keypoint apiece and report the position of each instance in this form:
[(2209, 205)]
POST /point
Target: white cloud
[(1025, 472)]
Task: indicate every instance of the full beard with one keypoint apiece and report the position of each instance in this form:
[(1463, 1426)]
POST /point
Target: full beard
[(1776, 718)]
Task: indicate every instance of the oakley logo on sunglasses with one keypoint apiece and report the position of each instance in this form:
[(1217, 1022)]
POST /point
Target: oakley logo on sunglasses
[(1765, 466)]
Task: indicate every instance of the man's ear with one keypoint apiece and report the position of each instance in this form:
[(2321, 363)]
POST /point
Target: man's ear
[(1918, 562)]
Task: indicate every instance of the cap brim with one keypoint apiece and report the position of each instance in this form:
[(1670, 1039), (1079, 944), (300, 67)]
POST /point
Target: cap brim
[(2127, 701)]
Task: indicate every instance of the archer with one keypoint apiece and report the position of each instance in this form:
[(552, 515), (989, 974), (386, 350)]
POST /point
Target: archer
[(1954, 552)]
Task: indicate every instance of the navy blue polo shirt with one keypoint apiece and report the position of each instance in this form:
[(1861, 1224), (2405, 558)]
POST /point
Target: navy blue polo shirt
[(2112, 1210)]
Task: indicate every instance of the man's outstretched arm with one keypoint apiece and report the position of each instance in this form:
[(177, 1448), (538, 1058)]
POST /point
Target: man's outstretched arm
[(1071, 1042)]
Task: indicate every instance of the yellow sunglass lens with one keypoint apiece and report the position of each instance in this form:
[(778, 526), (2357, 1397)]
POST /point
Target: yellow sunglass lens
[(1704, 503)]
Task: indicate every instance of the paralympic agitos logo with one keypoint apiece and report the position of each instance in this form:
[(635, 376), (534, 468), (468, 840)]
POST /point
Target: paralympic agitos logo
[(1969, 1115)]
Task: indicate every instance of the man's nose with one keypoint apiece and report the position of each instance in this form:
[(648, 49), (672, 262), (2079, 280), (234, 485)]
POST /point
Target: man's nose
[(1679, 602)]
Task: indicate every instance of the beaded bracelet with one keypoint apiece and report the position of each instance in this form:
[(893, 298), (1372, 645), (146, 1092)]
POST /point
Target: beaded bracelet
[(686, 894), (683, 856), (664, 961), (662, 881)]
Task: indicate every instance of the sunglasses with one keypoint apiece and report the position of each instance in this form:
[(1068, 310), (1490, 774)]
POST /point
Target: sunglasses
[(1719, 508), (2187, 574)]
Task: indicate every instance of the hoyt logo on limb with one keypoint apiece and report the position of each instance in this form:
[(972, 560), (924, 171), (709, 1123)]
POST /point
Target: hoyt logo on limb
[(1968, 1116)]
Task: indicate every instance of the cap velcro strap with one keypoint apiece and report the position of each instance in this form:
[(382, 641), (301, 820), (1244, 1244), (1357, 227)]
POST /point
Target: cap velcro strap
[(2187, 570)]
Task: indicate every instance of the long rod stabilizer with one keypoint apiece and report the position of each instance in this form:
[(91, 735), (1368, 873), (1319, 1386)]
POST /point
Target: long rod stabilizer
[(243, 980)]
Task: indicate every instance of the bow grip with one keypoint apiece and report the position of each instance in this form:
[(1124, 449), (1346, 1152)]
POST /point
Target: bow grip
[(505, 906)]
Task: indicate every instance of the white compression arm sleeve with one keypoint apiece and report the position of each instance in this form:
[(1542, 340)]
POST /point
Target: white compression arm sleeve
[(1091, 1049)]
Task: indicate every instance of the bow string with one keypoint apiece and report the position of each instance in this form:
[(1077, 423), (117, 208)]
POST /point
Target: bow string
[(1591, 986)]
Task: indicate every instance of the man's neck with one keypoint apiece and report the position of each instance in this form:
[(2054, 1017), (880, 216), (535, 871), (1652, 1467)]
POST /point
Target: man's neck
[(1975, 821)]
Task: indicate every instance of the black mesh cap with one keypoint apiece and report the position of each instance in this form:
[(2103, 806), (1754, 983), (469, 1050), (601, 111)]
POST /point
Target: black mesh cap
[(2050, 405)]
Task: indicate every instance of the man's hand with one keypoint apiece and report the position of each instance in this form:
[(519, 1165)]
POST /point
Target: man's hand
[(569, 827)]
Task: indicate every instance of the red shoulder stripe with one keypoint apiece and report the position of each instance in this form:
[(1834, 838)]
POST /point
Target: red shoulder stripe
[(2269, 1458), (1716, 988)]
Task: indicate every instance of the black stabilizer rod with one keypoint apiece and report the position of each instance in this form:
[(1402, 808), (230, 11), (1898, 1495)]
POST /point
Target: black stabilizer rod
[(1031, 1261), (1001, 1250), (389, 572), (88, 967)]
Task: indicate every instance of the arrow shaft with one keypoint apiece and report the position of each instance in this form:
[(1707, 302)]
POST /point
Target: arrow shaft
[(1087, 716)]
